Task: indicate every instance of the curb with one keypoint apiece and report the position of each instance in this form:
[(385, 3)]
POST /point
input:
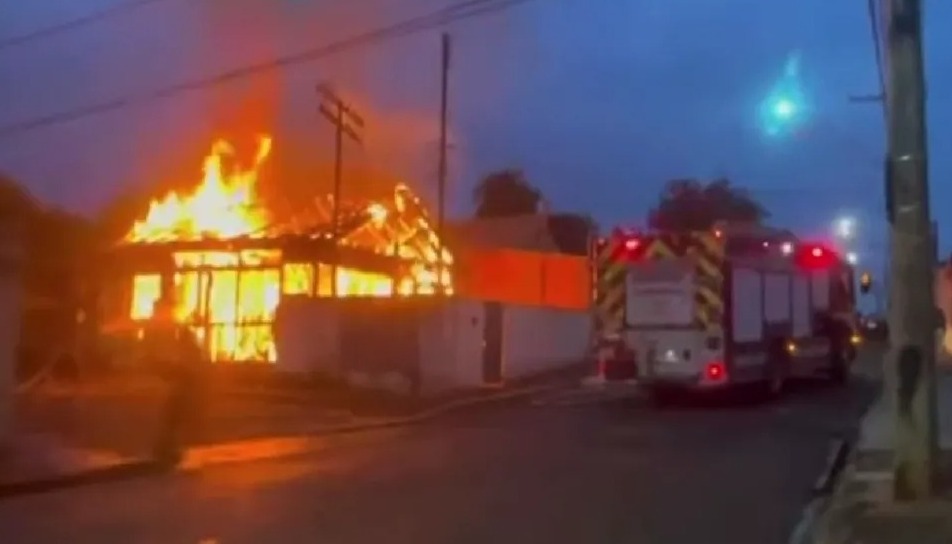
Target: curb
[(114, 473), (808, 528), (579, 371), (143, 468)]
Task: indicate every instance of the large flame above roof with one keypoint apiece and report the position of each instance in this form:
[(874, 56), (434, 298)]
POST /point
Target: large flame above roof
[(222, 206)]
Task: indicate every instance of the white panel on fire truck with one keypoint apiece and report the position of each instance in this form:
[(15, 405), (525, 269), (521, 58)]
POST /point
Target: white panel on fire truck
[(660, 294), (821, 289), (747, 324), (801, 307), (776, 298)]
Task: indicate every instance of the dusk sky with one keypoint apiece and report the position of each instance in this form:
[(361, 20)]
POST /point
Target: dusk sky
[(599, 101)]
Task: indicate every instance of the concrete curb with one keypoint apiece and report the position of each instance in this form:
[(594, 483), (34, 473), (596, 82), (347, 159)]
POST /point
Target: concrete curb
[(114, 473), (809, 529), (148, 467)]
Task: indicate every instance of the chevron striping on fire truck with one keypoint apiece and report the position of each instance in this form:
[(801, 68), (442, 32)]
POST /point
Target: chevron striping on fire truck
[(741, 304), (707, 254), (610, 285)]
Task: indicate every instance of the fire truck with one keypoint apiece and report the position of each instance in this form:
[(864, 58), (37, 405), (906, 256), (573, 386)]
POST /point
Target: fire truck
[(737, 305)]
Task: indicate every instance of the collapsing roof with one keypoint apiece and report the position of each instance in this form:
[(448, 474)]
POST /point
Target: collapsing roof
[(224, 211), (229, 260)]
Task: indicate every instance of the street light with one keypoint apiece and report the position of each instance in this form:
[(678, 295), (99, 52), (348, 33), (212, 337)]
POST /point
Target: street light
[(852, 258), (845, 228)]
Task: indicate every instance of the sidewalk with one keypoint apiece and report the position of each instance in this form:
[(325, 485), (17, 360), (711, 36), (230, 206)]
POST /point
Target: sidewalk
[(110, 431), (862, 511), (41, 457)]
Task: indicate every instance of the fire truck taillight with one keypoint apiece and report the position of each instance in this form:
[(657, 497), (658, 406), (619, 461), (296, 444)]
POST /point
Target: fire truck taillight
[(632, 244), (715, 371)]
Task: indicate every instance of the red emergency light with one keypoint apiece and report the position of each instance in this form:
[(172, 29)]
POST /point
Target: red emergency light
[(625, 244), (815, 256), (629, 247)]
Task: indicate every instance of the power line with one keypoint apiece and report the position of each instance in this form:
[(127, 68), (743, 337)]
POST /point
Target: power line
[(874, 23), (877, 42), (67, 26), (457, 12)]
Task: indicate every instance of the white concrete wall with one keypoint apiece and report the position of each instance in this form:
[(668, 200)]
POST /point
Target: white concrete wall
[(451, 347), (306, 335), (536, 339)]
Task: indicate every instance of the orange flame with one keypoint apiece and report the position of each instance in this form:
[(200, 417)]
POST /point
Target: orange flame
[(221, 207), (230, 297)]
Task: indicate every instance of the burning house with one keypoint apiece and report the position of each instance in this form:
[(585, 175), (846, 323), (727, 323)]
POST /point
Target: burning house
[(230, 261)]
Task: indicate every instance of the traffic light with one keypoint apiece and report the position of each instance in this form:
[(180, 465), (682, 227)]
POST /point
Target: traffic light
[(865, 282)]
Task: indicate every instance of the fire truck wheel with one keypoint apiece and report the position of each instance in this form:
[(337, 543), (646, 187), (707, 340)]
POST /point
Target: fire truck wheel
[(776, 373), (839, 365)]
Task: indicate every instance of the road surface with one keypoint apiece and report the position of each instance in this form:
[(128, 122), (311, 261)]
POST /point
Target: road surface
[(569, 467)]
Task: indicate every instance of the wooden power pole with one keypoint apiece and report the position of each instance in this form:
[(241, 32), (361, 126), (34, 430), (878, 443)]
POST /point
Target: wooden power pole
[(442, 170), (345, 121), (910, 375)]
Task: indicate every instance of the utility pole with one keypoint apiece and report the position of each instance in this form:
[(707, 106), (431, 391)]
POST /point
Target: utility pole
[(911, 366), (345, 121), (442, 170)]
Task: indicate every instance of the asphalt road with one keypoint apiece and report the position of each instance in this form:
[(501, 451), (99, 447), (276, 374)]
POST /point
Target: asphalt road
[(570, 467)]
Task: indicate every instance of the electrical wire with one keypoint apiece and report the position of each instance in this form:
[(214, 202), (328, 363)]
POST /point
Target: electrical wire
[(457, 12), (79, 22), (877, 48)]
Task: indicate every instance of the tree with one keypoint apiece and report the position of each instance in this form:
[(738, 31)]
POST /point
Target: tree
[(689, 204), (572, 232), (57, 247), (506, 193)]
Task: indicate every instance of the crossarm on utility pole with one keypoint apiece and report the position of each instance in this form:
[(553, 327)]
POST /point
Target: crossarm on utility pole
[(344, 119)]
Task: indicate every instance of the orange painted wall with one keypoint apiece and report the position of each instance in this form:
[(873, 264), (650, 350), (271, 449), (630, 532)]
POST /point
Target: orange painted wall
[(523, 277)]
